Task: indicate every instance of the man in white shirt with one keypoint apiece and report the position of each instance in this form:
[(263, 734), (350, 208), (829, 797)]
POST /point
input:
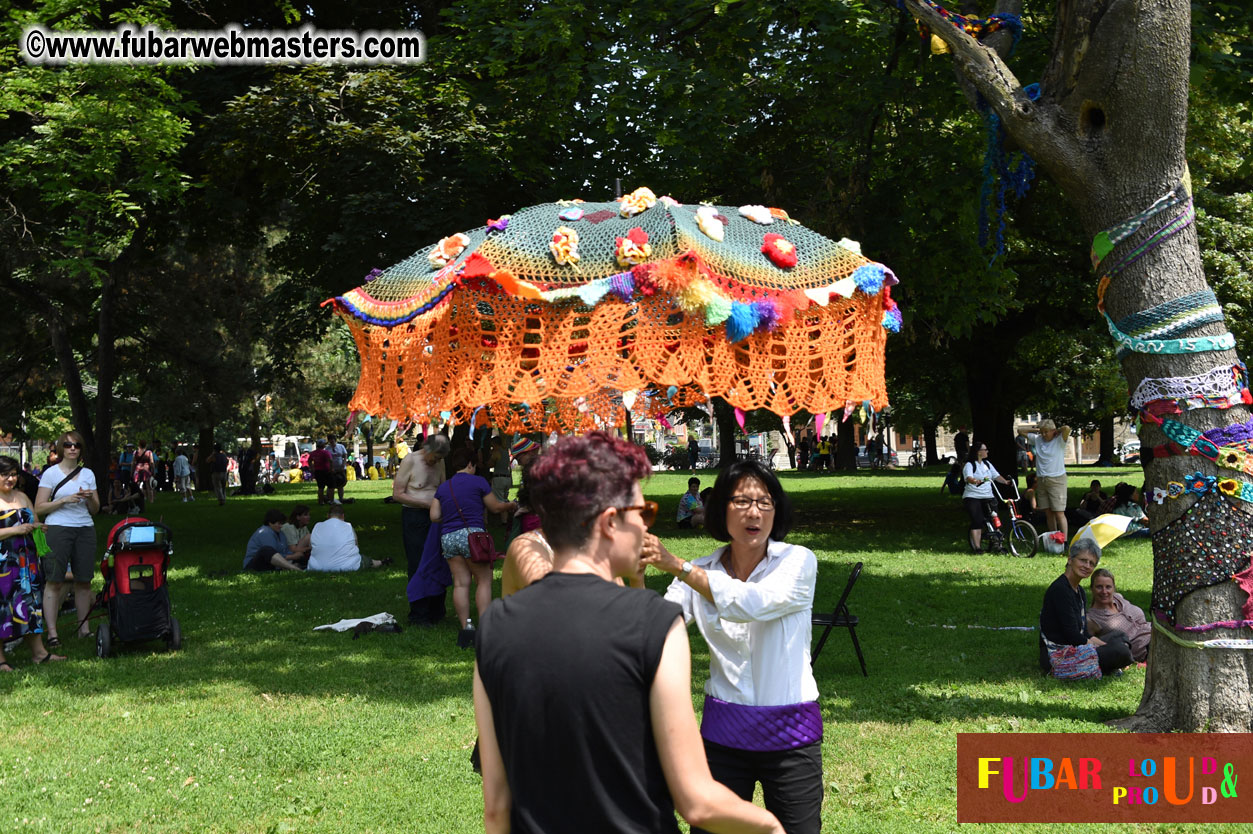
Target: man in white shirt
[(1049, 444), (333, 545)]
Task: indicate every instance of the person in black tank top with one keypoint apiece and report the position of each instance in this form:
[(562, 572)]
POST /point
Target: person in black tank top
[(582, 688)]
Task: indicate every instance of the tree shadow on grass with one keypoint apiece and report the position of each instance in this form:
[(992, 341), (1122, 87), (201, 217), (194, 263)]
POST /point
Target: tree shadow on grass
[(946, 646)]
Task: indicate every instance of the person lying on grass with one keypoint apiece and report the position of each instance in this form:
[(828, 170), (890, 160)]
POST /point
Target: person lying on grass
[(334, 545), (267, 549)]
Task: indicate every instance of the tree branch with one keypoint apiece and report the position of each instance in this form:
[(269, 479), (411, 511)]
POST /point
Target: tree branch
[(993, 80)]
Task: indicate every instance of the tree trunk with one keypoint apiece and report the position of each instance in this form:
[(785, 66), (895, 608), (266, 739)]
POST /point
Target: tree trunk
[(928, 441), (728, 433), (204, 454), (367, 429), (991, 420), (1106, 456), (106, 372), (1109, 128), (846, 448)]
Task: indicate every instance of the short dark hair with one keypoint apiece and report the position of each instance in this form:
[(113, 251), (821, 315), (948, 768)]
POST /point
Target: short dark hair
[(724, 487), (693, 480), (299, 509), (8, 464), (274, 514), (335, 509), (1123, 493), (459, 460), (578, 478)]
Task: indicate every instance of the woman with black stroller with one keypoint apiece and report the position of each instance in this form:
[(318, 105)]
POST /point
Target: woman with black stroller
[(977, 498)]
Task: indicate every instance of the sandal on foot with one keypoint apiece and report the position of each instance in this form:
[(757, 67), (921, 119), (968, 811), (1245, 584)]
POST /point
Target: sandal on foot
[(52, 642), (50, 657)]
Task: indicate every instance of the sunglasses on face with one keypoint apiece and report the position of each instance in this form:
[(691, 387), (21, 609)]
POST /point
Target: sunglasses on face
[(648, 512), (70, 444)]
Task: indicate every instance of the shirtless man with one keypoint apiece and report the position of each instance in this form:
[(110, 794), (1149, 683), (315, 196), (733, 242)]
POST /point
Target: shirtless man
[(414, 489)]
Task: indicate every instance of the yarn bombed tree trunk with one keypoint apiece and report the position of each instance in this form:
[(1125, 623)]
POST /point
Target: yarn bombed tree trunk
[(1109, 128)]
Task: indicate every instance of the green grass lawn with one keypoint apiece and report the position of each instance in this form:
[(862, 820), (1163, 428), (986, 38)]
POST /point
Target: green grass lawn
[(261, 724)]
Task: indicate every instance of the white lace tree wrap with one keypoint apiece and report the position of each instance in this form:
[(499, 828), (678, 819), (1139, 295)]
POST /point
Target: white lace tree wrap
[(1225, 381)]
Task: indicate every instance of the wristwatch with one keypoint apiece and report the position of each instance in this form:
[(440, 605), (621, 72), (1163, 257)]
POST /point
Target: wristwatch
[(685, 570)]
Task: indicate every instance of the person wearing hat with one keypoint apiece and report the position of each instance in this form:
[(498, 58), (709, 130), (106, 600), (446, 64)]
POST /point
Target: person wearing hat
[(414, 489), (524, 451), (1049, 443)]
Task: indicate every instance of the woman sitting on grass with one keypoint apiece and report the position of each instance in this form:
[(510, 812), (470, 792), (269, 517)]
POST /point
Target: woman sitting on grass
[(1127, 503), (296, 531), (1111, 613), (1063, 618)]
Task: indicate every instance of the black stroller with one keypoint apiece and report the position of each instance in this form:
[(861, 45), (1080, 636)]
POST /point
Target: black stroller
[(136, 559)]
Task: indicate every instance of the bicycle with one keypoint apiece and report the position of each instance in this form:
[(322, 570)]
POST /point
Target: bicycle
[(1021, 539), (916, 457)]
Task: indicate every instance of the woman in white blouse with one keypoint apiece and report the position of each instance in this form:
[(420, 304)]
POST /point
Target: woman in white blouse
[(752, 601)]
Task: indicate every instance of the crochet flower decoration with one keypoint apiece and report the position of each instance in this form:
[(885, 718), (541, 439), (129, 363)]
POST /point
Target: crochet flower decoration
[(1199, 484), (1229, 486), (780, 251), (634, 248), (565, 246), (780, 214), (708, 222), (374, 273), (499, 224), (1174, 489), (757, 214), (1237, 459), (638, 200), (1159, 495), (447, 250)]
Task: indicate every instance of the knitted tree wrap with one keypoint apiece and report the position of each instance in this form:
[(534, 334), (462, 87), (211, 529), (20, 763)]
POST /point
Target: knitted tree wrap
[(543, 345)]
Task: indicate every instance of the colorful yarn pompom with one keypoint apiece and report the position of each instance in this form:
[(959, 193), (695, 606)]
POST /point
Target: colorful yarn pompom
[(572, 214), (641, 199), (696, 296), (499, 224), (741, 323), (717, 311), (634, 248), (565, 246), (869, 278), (622, 285), (780, 250), (757, 214), (447, 250), (892, 320), (768, 315)]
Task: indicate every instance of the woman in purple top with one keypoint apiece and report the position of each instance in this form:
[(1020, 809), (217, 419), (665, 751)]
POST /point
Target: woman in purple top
[(460, 507)]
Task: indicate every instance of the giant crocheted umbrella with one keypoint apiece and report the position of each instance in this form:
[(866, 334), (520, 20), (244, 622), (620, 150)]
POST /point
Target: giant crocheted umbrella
[(564, 314)]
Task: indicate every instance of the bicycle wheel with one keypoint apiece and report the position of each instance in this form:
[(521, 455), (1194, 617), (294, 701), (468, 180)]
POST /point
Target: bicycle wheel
[(1022, 539)]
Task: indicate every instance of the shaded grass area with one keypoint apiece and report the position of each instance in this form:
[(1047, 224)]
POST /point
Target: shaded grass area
[(261, 724)]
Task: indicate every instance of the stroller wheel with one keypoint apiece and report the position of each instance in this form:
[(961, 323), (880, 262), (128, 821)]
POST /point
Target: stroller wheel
[(103, 639), (174, 640)]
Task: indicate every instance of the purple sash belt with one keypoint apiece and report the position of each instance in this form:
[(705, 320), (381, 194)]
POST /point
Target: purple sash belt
[(761, 729)]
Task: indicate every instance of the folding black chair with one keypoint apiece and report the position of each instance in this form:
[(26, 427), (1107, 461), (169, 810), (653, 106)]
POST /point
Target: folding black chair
[(840, 618)]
